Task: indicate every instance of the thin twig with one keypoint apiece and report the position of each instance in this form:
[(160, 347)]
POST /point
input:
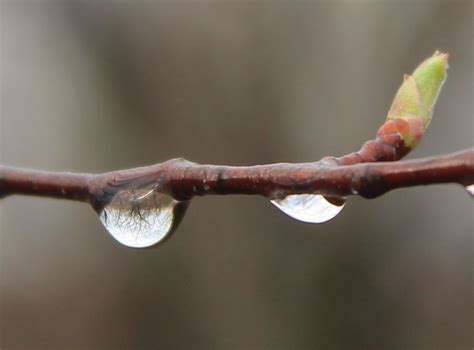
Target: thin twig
[(184, 179)]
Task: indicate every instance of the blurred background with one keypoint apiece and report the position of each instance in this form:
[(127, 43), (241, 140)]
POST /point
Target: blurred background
[(93, 86)]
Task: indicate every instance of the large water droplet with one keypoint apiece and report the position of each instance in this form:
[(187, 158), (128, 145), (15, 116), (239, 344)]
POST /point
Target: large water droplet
[(140, 218), (470, 190), (312, 208)]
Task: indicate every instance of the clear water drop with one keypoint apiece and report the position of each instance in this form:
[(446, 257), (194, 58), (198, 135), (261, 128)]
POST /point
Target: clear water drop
[(470, 190), (312, 208), (140, 218)]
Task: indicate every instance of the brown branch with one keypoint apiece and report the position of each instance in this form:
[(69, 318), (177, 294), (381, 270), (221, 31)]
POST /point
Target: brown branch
[(367, 173), (184, 179)]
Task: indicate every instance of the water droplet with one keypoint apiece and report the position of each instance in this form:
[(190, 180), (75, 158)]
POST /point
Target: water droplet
[(312, 208), (140, 218), (470, 190)]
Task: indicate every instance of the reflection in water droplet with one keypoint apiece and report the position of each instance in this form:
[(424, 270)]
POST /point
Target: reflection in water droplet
[(312, 208), (470, 190), (139, 218)]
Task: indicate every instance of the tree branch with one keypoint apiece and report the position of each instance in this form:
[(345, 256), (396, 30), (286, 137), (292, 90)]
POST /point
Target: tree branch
[(184, 179), (366, 173), (140, 207)]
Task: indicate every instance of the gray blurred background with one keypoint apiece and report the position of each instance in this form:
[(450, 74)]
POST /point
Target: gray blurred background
[(94, 86)]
